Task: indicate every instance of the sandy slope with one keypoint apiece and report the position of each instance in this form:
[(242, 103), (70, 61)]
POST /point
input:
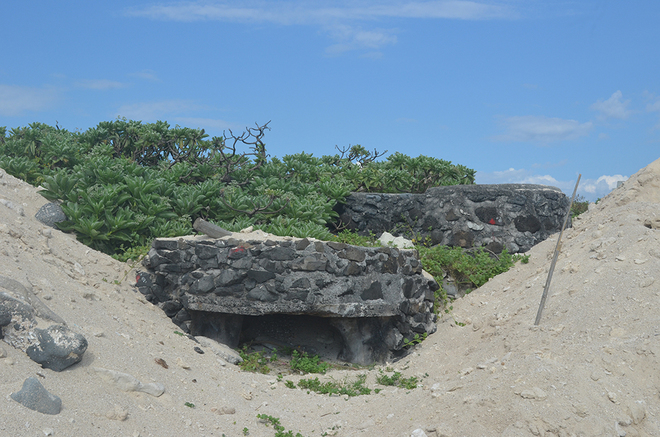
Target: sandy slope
[(589, 369)]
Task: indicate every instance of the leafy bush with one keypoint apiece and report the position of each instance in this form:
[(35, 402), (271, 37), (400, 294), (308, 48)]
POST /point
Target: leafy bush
[(580, 205), (472, 268), (255, 362), (123, 183), (306, 364)]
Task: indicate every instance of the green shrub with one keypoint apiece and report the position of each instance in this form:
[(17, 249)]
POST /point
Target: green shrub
[(306, 364), (580, 205), (470, 268), (124, 182), (256, 362)]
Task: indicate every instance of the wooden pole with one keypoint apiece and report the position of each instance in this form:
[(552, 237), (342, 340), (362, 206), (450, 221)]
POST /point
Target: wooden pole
[(554, 258), (213, 231)]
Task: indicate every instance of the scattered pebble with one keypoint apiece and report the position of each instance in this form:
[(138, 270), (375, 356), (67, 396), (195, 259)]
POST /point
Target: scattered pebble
[(117, 413), (467, 371), (535, 393), (182, 364), (224, 410), (646, 282), (637, 411)]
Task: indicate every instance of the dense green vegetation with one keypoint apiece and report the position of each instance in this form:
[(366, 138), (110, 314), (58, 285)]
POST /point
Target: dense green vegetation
[(124, 183)]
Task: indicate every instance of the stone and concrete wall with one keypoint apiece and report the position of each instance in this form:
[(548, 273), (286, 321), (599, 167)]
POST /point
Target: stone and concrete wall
[(515, 216), (372, 297)]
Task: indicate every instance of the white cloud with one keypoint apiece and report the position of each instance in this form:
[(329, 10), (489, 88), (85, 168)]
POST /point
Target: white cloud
[(337, 18), (613, 107), (653, 107), (146, 74), (601, 186), (100, 84), (290, 12), (157, 110), (16, 100), (540, 129), (513, 176), (351, 38), (591, 189)]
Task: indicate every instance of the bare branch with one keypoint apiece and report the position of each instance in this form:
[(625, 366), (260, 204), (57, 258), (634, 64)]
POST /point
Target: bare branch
[(256, 209)]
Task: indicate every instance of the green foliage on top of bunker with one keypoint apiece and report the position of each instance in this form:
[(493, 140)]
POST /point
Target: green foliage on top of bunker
[(124, 182)]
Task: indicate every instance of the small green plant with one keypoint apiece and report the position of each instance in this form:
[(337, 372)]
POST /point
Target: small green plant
[(189, 405), (417, 339), (279, 429), (580, 206), (246, 431), (353, 238), (290, 384), (306, 364), (468, 268), (179, 333), (448, 310), (133, 253), (256, 362), (355, 388), (397, 380)]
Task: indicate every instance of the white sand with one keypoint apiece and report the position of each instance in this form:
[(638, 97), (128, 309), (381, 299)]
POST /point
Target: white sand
[(590, 369)]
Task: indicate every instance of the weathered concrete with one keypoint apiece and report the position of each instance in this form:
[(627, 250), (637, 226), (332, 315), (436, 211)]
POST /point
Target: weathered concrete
[(511, 216), (374, 297)]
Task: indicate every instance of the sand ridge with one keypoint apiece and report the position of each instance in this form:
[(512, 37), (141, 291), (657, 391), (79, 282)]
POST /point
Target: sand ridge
[(589, 369)]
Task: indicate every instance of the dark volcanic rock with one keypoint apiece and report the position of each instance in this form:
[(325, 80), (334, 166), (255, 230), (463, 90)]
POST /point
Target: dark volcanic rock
[(511, 216), (34, 396), (50, 214), (57, 347)]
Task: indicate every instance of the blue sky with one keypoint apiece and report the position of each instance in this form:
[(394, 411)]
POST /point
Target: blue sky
[(520, 90)]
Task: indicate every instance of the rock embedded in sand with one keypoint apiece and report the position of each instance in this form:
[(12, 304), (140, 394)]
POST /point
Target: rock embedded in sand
[(117, 413), (34, 396), (50, 214), (637, 411), (57, 347), (223, 410)]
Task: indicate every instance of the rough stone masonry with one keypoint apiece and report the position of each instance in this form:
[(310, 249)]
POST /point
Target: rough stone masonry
[(511, 216), (361, 303)]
